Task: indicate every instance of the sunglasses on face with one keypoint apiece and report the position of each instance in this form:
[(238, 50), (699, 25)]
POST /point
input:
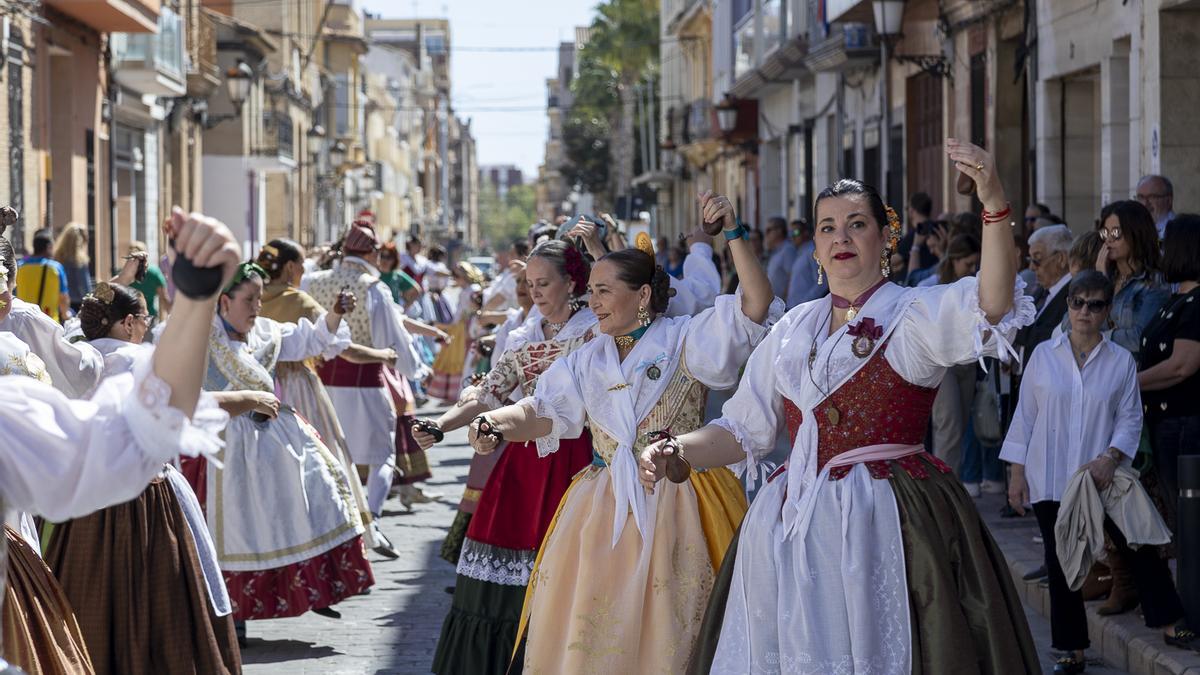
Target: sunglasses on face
[(1110, 235), (1093, 306)]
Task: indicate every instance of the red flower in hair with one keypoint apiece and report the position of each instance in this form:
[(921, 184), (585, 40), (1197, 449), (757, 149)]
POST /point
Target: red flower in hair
[(576, 268)]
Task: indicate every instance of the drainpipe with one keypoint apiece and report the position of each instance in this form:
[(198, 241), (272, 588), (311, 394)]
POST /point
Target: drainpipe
[(110, 92)]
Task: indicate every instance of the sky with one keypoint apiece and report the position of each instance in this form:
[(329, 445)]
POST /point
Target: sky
[(484, 79)]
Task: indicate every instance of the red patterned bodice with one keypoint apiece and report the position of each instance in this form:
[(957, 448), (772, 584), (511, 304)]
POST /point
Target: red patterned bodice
[(874, 407)]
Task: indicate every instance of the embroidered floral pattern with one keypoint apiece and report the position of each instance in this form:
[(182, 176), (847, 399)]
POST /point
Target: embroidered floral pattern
[(294, 589)]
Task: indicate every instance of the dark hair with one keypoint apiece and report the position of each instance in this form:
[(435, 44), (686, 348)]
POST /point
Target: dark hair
[(961, 245), (97, 316), (43, 241), (777, 223), (521, 247), (566, 259), (1137, 228), (1091, 281), (1181, 249), (637, 268), (1043, 209), (437, 253), (801, 225), (921, 203), (1084, 250), (8, 258), (967, 223), (8, 216), (848, 187), (285, 251)]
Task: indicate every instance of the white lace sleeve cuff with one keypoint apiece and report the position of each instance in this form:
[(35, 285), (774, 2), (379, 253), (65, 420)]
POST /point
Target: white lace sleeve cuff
[(333, 343), (164, 432), (1001, 333), (476, 394), (548, 444), (747, 465)]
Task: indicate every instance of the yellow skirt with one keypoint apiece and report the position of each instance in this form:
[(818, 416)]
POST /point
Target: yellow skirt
[(594, 608)]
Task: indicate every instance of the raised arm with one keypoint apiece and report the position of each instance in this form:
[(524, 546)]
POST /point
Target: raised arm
[(997, 264), (756, 288)]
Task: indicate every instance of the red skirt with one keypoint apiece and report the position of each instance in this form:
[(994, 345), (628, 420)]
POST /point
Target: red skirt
[(522, 494), (412, 464), (294, 589)]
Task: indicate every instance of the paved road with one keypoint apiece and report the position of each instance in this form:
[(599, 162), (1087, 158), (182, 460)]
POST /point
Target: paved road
[(394, 630)]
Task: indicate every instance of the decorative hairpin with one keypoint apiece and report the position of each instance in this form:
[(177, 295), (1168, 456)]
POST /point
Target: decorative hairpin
[(104, 292)]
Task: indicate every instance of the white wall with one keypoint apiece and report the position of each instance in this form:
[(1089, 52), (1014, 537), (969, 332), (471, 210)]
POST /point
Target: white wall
[(227, 186)]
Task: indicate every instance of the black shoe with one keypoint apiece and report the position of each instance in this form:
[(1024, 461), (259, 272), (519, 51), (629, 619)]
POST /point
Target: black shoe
[(449, 590), (385, 549), (1036, 574), (1069, 666), (239, 628), (1183, 638), (328, 612)]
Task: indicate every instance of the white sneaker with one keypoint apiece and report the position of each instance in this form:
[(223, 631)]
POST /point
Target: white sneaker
[(993, 487), (972, 489)]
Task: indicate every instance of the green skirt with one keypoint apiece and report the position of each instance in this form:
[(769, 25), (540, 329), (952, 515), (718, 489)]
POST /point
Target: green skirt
[(480, 632)]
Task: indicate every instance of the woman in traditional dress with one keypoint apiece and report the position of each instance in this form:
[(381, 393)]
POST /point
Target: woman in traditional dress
[(623, 576), (447, 379), (296, 382), (866, 554), (64, 459), (286, 526), (143, 575), (520, 496), (482, 465)]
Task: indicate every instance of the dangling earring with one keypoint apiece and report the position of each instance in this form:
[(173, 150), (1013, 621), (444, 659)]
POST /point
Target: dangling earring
[(576, 303), (820, 270), (885, 264), (643, 316)]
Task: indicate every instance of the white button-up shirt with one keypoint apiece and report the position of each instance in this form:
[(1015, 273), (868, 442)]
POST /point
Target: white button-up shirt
[(1067, 416)]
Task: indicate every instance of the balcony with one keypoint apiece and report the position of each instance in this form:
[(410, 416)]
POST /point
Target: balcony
[(112, 16), (847, 46), (203, 75), (277, 137), (152, 63)]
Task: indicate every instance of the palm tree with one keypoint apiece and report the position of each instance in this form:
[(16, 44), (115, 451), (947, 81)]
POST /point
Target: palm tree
[(624, 38)]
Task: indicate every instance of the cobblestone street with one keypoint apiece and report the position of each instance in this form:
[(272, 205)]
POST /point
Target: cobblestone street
[(395, 628)]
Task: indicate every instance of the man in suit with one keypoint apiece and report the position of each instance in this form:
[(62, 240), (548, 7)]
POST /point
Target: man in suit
[(1049, 248)]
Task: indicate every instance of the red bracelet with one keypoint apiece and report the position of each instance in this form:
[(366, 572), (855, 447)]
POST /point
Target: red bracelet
[(996, 216)]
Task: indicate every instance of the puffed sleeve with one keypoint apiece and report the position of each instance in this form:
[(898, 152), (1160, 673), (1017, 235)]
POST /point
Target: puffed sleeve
[(701, 283), (500, 382), (1127, 425), (719, 340), (307, 339), (558, 398), (387, 330), (753, 415), (1020, 430), (74, 367), (944, 326), (65, 458)]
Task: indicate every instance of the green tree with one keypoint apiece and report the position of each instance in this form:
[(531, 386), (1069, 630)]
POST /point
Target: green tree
[(502, 220)]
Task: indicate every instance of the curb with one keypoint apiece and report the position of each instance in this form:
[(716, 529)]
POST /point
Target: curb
[(1122, 641)]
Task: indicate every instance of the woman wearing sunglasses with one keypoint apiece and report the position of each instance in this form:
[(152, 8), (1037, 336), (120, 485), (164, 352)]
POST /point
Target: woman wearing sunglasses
[(1130, 257), (1080, 409)]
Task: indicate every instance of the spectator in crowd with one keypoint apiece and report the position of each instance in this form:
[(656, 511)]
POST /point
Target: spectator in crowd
[(1032, 213), (803, 286), (662, 252), (1129, 256), (675, 256), (404, 288), (1049, 250), (501, 294), (71, 249), (1080, 409), (1084, 250), (1157, 194), (780, 256), (933, 239), (1170, 359), (957, 392), (42, 280), (153, 286), (920, 223), (966, 223)]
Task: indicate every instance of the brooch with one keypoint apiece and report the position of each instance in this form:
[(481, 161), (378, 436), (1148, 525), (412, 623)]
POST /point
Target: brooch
[(653, 372), (865, 333)]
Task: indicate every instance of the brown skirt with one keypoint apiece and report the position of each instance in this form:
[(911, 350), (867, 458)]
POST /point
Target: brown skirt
[(41, 635), (133, 572), (966, 616)]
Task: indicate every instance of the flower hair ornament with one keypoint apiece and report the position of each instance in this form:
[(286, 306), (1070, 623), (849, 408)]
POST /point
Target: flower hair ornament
[(893, 221), (103, 292), (643, 243), (268, 257), (576, 268)]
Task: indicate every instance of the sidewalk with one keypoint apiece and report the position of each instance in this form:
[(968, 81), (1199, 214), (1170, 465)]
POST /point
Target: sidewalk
[(1123, 642)]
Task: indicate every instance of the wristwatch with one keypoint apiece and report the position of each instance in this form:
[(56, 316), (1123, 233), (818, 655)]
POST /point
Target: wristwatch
[(738, 232), (1114, 455)]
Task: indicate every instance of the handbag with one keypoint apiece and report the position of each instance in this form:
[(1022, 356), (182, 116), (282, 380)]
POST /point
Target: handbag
[(987, 413)]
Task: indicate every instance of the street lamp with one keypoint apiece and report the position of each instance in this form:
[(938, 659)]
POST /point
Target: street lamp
[(727, 114), (237, 83), (668, 154), (337, 154), (889, 15)]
